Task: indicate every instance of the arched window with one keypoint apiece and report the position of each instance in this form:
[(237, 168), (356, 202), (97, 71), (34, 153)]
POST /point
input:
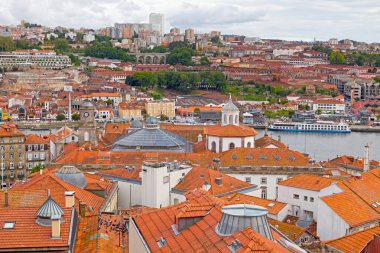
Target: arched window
[(225, 119), (230, 120), (232, 145), (213, 146), (236, 119), (249, 144)]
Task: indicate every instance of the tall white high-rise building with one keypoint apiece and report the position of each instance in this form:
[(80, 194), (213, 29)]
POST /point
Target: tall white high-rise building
[(156, 20)]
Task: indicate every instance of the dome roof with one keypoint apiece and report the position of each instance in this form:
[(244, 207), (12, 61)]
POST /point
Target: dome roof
[(72, 175), (151, 139), (136, 124), (87, 103)]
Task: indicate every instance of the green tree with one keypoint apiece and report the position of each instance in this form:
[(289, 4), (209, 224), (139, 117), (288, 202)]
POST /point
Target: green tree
[(75, 117), (37, 168), (337, 57), (318, 111), (179, 44), (205, 61), (61, 117), (61, 45), (74, 60), (163, 117), (6, 44), (109, 101), (180, 56)]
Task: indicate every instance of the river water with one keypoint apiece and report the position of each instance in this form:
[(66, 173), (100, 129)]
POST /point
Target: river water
[(320, 146), (323, 146)]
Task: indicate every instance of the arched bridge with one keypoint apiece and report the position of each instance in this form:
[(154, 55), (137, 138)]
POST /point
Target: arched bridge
[(150, 58)]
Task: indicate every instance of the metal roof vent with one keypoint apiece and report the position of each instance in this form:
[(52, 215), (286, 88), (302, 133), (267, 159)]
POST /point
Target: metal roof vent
[(237, 217)]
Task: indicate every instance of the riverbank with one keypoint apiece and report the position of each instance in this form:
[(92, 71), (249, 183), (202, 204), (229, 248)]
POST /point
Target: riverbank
[(365, 129)]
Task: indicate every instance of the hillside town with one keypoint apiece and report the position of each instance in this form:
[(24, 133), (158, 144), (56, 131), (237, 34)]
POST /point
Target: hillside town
[(129, 138)]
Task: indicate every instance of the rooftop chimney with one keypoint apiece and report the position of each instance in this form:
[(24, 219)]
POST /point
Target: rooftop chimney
[(218, 181), (206, 186), (56, 226), (69, 199), (6, 198), (366, 158)]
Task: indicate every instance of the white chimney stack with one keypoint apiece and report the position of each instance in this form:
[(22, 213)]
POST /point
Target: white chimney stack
[(69, 198), (56, 226), (366, 159)]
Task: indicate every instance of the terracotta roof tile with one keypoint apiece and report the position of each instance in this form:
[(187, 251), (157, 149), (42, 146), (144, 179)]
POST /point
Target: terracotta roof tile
[(230, 131), (353, 243), (197, 176), (27, 233), (274, 207), (307, 181)]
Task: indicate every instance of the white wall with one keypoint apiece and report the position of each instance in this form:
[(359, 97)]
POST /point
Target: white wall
[(135, 241), (286, 195), (330, 225), (129, 194), (256, 180)]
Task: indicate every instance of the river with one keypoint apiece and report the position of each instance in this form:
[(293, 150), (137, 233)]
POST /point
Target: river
[(323, 146), (320, 146)]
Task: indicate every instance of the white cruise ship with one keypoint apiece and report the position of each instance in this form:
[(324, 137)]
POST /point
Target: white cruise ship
[(319, 126)]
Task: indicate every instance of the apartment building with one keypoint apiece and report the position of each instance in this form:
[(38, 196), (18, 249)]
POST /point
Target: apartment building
[(36, 151), (158, 108), (12, 154)]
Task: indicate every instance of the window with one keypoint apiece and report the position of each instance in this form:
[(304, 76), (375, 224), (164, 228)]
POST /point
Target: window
[(176, 200), (19, 147), (73, 138), (42, 156), (311, 199), (248, 179), (12, 166), (20, 165), (296, 196), (305, 198), (213, 146), (232, 145), (36, 147), (29, 165), (29, 147), (11, 156), (166, 180), (263, 192), (11, 148), (279, 180), (9, 225), (249, 144), (263, 180), (42, 147), (19, 155)]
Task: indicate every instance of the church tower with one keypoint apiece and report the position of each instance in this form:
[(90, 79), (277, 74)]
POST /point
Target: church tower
[(87, 124), (230, 114)]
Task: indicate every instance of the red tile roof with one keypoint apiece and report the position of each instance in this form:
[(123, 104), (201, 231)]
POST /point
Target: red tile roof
[(230, 131), (265, 141), (274, 207), (27, 234), (197, 176), (308, 182), (9, 129), (34, 139), (353, 243), (201, 236)]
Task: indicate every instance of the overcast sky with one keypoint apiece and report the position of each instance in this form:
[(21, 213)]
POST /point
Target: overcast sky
[(286, 19)]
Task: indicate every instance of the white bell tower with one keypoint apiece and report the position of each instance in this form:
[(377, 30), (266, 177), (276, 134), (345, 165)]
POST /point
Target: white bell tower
[(230, 114)]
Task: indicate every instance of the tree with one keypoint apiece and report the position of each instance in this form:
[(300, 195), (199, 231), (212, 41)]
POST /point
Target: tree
[(75, 117), (37, 168), (337, 57), (74, 60), (61, 117), (6, 44), (180, 56), (163, 117), (318, 111), (109, 101), (205, 61), (61, 45)]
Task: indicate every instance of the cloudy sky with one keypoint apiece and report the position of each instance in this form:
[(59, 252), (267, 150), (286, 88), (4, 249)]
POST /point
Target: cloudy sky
[(286, 19)]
